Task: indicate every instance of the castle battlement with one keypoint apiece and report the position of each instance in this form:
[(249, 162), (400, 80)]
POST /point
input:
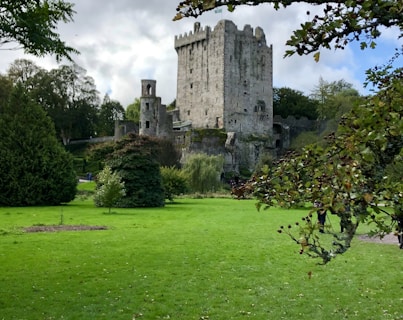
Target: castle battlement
[(198, 34)]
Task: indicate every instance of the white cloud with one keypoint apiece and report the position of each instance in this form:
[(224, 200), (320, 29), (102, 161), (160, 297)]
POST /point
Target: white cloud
[(122, 42)]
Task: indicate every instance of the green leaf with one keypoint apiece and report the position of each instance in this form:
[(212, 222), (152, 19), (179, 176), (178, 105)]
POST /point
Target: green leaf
[(231, 7), (207, 4), (316, 56)]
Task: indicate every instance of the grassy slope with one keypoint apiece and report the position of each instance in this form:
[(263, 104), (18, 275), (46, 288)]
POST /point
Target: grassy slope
[(215, 258)]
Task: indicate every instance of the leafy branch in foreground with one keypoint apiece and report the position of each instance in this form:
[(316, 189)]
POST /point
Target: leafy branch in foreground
[(340, 23), (349, 176), (31, 25)]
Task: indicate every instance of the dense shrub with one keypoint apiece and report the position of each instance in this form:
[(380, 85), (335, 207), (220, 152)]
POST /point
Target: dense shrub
[(203, 172), (134, 158), (174, 182)]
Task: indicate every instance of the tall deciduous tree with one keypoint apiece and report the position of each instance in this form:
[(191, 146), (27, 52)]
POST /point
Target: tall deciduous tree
[(334, 98), (290, 102), (78, 102), (133, 111), (110, 111), (5, 89), (31, 25), (67, 94), (35, 169)]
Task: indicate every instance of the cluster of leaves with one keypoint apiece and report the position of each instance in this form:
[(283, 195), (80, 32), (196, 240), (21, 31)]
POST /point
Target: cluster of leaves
[(110, 189), (32, 24), (35, 169)]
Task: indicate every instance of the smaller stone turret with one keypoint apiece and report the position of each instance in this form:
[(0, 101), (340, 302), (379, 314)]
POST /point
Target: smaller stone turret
[(154, 120), (149, 105)]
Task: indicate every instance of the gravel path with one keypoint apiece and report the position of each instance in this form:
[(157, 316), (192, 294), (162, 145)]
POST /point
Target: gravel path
[(390, 238)]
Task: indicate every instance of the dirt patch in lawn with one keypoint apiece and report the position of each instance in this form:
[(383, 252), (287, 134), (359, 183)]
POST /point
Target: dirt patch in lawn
[(58, 228)]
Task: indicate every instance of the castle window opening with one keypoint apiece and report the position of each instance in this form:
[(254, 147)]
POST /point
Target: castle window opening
[(206, 112), (191, 70), (149, 89), (188, 112), (147, 106), (147, 124), (262, 105), (191, 86), (217, 122)]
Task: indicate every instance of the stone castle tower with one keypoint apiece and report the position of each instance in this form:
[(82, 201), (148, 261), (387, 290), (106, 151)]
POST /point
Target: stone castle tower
[(224, 78), (154, 120), (224, 102)]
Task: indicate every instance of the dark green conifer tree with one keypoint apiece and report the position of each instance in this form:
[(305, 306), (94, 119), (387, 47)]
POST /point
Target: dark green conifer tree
[(35, 169)]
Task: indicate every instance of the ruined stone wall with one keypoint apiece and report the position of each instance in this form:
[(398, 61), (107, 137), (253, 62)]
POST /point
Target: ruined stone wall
[(296, 126), (164, 125)]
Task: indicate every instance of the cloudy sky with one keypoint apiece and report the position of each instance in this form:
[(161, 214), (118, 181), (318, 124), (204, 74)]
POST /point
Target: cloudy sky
[(124, 41)]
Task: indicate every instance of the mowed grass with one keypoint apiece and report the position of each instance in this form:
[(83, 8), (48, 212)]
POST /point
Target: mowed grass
[(194, 259)]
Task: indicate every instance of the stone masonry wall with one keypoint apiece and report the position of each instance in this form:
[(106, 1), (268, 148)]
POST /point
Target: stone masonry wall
[(225, 78)]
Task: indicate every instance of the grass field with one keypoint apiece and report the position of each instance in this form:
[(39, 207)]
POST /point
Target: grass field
[(194, 259)]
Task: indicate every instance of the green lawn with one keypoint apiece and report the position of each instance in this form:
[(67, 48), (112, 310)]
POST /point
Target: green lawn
[(194, 259)]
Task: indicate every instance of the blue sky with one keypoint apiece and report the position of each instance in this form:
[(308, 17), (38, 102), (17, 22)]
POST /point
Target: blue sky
[(122, 42)]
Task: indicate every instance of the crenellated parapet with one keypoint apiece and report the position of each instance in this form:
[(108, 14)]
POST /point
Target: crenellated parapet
[(198, 34)]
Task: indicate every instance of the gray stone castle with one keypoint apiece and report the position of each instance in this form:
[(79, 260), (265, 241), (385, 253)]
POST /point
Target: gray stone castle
[(224, 101)]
